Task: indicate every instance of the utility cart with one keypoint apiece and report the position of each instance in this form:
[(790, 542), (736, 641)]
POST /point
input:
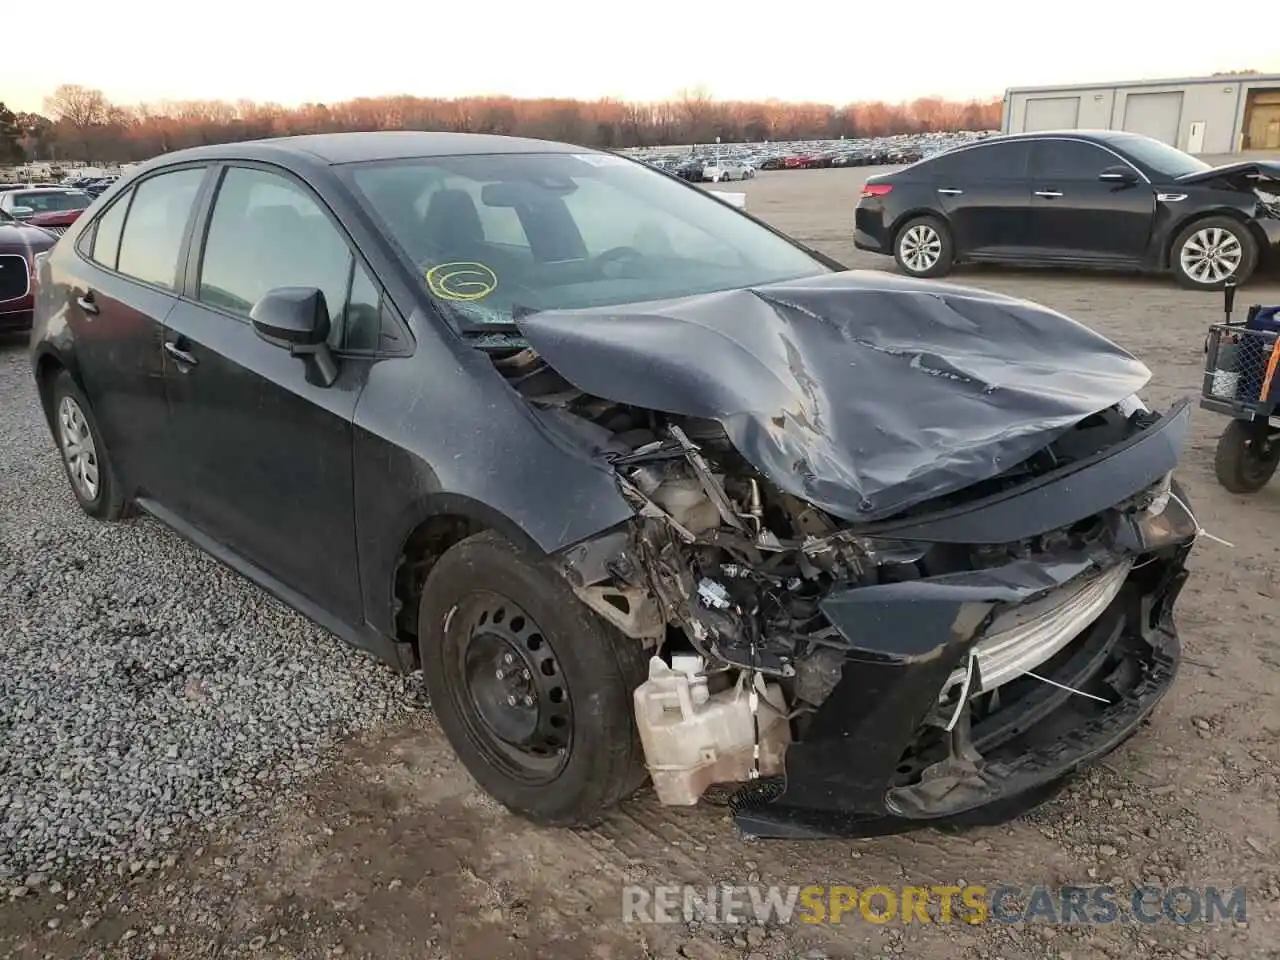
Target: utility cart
[(1241, 381)]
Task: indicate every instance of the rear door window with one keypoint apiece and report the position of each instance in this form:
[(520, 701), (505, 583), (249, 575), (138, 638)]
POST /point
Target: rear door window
[(989, 161), (155, 225)]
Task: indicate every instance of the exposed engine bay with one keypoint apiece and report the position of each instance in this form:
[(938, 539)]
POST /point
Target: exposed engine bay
[(724, 575), (900, 552)]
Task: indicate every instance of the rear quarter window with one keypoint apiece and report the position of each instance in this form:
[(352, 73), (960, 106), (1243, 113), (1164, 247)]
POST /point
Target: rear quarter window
[(104, 242)]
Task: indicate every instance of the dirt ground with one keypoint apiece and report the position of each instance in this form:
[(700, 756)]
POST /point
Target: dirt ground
[(393, 852)]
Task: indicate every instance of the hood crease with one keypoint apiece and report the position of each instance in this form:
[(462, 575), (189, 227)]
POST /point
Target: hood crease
[(860, 392)]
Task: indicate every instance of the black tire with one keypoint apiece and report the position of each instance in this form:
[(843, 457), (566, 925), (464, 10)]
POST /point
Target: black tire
[(107, 501), (1237, 230), (944, 251), (1245, 460), (559, 644)]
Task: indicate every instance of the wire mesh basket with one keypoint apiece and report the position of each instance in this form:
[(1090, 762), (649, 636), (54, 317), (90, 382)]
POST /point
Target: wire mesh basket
[(1240, 366)]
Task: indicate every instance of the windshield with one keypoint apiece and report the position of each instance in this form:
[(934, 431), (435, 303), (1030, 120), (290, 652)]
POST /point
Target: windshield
[(497, 234), (51, 201), (1160, 157)]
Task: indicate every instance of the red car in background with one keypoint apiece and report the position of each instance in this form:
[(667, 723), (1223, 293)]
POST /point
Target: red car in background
[(51, 208), (20, 243)]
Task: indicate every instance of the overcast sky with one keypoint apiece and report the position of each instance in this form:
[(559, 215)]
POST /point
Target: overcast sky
[(831, 51)]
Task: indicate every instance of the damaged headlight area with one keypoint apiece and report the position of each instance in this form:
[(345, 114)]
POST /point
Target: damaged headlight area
[(852, 676)]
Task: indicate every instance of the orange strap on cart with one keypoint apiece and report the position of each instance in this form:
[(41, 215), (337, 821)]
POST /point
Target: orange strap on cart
[(1271, 372)]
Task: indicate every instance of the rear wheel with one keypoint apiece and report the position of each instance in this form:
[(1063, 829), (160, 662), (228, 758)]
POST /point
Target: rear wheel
[(1210, 251), (923, 248), (84, 454), (1247, 457), (533, 690)]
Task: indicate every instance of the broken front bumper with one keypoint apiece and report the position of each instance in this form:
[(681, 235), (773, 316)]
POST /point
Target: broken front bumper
[(1102, 646)]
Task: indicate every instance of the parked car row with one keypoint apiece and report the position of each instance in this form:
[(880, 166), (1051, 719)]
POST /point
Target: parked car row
[(699, 162), (94, 186), (1076, 198)]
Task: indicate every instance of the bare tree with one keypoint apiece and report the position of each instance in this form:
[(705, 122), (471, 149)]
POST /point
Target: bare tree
[(81, 107), (88, 127)]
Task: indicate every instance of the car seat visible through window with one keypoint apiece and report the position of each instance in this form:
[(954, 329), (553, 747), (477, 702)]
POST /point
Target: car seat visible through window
[(451, 227)]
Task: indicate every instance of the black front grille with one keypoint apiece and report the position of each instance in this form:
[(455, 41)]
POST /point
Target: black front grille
[(56, 231), (15, 278)]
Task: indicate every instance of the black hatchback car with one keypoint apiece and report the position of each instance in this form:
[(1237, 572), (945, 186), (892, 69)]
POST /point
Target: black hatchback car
[(575, 436), (1097, 199)]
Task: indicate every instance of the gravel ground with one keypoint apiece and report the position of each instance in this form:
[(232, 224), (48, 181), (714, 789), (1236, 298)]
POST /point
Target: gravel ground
[(144, 688)]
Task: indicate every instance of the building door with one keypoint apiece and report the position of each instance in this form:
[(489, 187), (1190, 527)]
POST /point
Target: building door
[(1195, 137), (1262, 120), (1155, 115), (1051, 113)]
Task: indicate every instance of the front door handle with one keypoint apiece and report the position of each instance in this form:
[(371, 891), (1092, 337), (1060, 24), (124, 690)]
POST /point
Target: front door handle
[(1049, 194), (184, 358), (86, 302), (950, 191)]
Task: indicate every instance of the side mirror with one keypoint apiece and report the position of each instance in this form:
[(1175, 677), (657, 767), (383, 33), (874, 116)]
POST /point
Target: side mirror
[(298, 318), (21, 213), (1119, 174), (292, 317)]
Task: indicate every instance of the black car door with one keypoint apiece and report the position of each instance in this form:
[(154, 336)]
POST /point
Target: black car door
[(120, 289), (267, 452), (1077, 217), (984, 192)]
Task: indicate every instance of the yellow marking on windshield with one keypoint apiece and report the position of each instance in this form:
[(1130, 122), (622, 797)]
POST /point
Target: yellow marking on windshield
[(462, 280)]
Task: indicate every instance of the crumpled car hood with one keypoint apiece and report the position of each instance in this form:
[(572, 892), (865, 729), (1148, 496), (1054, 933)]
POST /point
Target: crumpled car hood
[(860, 392), (1260, 172)]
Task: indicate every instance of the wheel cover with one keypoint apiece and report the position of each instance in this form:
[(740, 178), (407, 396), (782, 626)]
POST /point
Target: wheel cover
[(78, 449), (510, 689), (1211, 255), (920, 248)]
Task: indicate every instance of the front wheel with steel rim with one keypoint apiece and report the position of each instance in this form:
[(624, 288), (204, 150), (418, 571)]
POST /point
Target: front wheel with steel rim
[(923, 248), (533, 690), (1247, 456), (1210, 251), (84, 456)]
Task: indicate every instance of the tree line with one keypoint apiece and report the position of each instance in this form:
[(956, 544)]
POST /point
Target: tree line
[(80, 123)]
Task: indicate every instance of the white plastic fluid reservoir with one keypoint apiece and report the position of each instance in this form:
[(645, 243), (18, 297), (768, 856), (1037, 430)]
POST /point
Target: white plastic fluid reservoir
[(688, 503), (693, 739)]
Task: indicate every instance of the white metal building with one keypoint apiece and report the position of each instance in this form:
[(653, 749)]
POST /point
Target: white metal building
[(1200, 115)]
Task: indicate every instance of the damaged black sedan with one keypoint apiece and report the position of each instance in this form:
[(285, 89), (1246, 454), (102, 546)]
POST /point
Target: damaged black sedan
[(646, 488)]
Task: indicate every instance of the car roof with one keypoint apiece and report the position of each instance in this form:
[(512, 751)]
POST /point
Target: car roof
[(334, 148), (1097, 136), (1090, 136)]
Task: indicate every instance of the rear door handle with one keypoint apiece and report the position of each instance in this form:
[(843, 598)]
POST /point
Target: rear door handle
[(86, 303), (182, 356), (1049, 194), (950, 191)]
